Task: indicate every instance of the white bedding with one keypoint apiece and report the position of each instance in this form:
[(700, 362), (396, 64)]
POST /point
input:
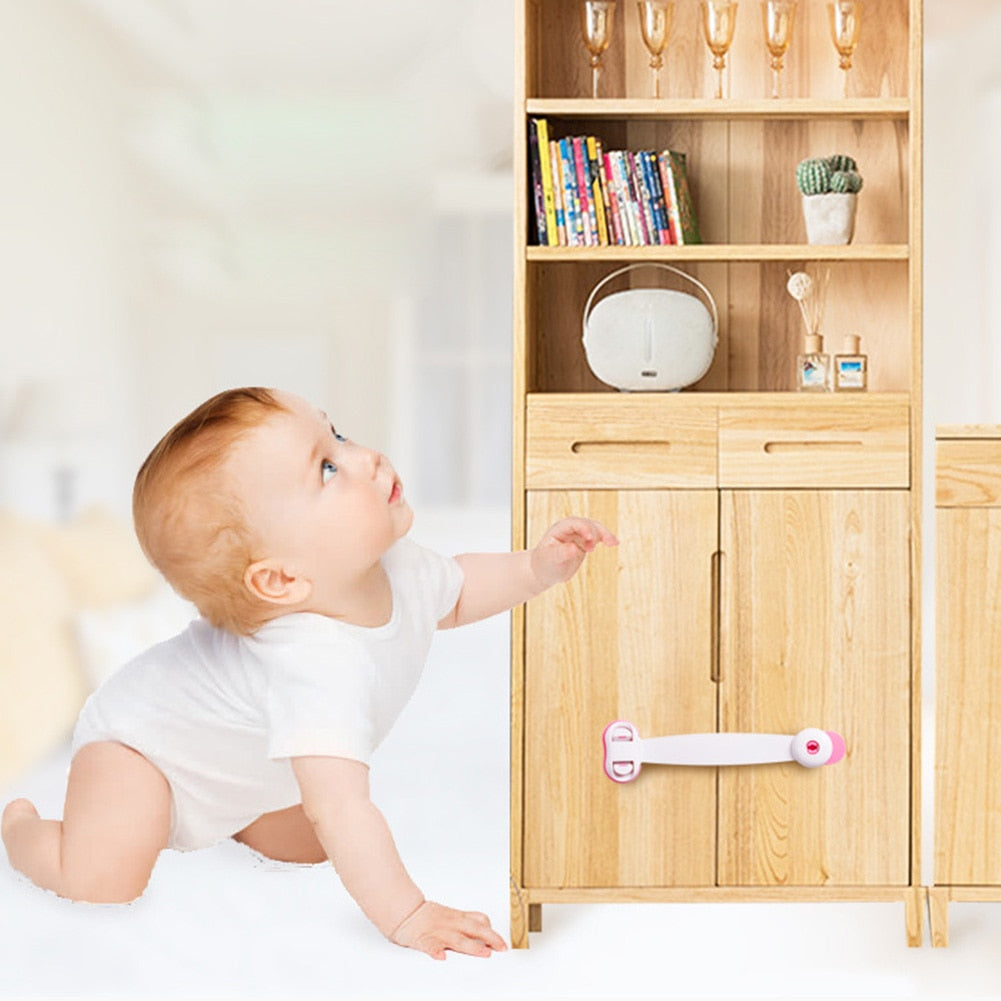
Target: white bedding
[(225, 923)]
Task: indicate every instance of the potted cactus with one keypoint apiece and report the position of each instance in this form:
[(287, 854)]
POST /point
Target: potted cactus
[(830, 187)]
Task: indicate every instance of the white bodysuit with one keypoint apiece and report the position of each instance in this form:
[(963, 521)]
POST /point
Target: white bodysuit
[(220, 714)]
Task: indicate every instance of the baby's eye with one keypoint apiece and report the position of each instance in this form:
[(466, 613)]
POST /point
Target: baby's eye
[(327, 470), (337, 436)]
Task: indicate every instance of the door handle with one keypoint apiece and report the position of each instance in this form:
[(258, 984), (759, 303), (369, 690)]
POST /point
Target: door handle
[(625, 751)]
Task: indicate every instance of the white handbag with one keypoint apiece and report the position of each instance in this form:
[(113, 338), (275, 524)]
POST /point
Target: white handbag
[(650, 338)]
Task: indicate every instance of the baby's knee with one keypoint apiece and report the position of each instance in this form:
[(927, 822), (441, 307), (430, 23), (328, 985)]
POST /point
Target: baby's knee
[(102, 888)]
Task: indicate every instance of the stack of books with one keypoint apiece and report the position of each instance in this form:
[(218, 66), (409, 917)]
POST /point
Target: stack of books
[(585, 196)]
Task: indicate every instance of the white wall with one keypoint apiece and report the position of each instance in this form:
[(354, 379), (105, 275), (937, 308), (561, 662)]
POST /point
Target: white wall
[(67, 264), (962, 223)]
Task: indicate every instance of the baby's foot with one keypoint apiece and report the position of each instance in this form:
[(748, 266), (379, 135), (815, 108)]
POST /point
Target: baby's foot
[(16, 811)]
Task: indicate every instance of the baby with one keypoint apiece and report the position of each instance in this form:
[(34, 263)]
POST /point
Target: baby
[(259, 720)]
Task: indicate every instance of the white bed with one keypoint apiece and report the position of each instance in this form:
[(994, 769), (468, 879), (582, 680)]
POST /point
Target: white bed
[(225, 923)]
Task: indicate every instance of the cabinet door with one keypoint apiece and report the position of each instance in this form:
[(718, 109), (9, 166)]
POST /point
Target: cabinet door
[(968, 695), (630, 637), (815, 631)]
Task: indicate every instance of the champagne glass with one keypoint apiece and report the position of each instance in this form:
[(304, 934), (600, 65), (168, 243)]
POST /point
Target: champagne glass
[(779, 16), (596, 23), (656, 17), (718, 19), (845, 17)]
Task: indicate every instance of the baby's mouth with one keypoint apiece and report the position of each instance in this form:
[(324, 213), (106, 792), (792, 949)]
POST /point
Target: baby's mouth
[(396, 493)]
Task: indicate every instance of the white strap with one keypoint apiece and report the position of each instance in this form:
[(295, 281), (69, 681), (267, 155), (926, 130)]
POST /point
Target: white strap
[(626, 751)]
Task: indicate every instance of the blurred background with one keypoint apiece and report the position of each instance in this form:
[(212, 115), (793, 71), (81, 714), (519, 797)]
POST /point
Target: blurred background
[(207, 193)]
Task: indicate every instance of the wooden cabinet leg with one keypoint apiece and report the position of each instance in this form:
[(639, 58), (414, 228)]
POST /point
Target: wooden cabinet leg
[(915, 902), (519, 918), (535, 917), (938, 916)]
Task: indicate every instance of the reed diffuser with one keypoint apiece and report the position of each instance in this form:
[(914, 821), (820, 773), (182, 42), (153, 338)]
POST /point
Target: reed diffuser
[(813, 364)]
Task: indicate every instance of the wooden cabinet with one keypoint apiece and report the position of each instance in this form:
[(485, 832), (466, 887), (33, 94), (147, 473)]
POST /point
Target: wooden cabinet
[(769, 565), (968, 683)]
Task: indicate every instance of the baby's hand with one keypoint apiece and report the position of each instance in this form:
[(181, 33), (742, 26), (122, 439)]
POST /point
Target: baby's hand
[(562, 549), (433, 928)]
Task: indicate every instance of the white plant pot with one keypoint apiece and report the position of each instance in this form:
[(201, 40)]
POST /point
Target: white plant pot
[(830, 218)]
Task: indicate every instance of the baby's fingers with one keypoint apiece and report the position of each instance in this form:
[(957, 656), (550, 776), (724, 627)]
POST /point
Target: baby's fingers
[(478, 927), (587, 533), (607, 537), (435, 929)]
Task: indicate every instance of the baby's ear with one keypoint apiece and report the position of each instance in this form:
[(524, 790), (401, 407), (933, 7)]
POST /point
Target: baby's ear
[(269, 581)]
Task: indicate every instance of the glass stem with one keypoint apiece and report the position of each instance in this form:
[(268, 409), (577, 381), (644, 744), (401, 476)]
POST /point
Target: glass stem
[(719, 81), (595, 73)]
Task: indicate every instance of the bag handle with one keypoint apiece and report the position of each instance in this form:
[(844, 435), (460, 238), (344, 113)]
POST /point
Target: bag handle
[(651, 264)]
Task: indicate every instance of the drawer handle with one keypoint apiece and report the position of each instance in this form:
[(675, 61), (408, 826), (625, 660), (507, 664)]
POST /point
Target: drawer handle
[(646, 447), (777, 447)]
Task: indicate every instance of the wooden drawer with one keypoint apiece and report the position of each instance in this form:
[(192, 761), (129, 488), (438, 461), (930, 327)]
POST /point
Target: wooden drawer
[(815, 443), (968, 472), (621, 441)]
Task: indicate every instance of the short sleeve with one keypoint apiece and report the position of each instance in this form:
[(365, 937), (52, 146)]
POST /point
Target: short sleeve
[(319, 701), (439, 578)]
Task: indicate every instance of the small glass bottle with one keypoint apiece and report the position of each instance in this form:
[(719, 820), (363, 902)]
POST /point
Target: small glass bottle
[(813, 367), (851, 367)]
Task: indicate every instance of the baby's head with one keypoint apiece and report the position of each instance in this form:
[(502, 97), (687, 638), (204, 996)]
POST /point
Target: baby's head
[(253, 506), (190, 520)]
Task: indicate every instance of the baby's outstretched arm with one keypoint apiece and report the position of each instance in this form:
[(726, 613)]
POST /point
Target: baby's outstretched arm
[(495, 582), (359, 844)]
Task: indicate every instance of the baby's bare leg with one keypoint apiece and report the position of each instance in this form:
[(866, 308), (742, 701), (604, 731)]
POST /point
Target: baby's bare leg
[(115, 822), (285, 835)]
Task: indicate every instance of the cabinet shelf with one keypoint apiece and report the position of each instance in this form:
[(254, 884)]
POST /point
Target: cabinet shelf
[(723, 252), (851, 109), (765, 398)]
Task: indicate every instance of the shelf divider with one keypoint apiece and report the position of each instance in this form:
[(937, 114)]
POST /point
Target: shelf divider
[(892, 108), (736, 252)]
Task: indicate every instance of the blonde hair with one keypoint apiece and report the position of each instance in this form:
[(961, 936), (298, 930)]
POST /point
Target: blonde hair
[(190, 523)]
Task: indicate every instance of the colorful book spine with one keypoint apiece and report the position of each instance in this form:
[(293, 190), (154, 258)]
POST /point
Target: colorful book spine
[(537, 198), (656, 196), (639, 199), (669, 206), (597, 195), (608, 179), (604, 185), (626, 198), (681, 196), (556, 171), (575, 226), (580, 171), (542, 131)]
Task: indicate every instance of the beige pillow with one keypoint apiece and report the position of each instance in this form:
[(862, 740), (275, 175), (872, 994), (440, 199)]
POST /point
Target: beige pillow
[(100, 559), (41, 682)]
